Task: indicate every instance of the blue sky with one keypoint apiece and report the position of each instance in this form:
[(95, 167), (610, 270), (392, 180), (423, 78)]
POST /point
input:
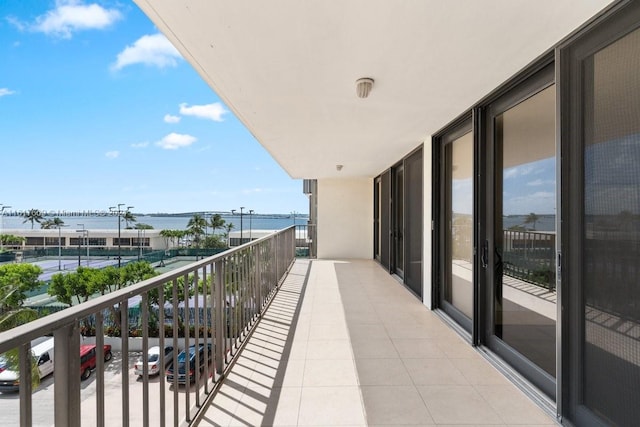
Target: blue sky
[(97, 108)]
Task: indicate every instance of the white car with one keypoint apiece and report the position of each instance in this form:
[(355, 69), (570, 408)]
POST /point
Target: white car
[(153, 360), (43, 355)]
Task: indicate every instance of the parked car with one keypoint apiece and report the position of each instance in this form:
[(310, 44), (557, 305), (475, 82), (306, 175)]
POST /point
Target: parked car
[(42, 353), (188, 358), (153, 360), (88, 359)]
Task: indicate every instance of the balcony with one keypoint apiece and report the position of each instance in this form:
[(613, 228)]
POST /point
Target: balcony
[(343, 343), (339, 343)]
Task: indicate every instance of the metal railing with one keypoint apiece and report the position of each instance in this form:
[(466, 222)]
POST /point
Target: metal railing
[(530, 256), (306, 240), (242, 281)]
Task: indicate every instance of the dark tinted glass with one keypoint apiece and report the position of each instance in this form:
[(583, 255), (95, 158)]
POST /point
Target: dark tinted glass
[(611, 234)]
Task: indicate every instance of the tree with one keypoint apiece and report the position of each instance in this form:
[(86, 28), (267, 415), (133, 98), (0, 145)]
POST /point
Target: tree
[(216, 223), (51, 223), (87, 281), (196, 227), (15, 281), (33, 215), (78, 285), (128, 217), (172, 235), (143, 226), (227, 230), (214, 242), (532, 218), (11, 240)]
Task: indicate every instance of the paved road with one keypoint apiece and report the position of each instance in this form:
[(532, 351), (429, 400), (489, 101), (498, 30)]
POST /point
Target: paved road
[(43, 399)]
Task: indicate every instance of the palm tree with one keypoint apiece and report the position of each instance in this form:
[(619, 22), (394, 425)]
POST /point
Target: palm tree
[(196, 227), (227, 230), (33, 215), (143, 226), (51, 223), (128, 217), (532, 218), (216, 222)]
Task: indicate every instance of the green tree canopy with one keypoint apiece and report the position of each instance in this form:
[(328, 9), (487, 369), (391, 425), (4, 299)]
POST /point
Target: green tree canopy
[(10, 239), (15, 281), (143, 226), (52, 223)]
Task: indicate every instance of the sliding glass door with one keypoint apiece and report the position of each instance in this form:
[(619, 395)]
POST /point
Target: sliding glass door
[(520, 220), (456, 266), (602, 251)]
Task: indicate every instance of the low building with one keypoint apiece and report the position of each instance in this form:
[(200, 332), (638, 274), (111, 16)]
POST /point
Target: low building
[(93, 239)]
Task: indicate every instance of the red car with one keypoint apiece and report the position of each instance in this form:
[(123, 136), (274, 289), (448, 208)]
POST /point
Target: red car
[(88, 359)]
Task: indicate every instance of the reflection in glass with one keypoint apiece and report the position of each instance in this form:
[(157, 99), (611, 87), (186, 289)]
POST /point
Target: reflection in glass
[(525, 297), (458, 283), (611, 272), (399, 219)]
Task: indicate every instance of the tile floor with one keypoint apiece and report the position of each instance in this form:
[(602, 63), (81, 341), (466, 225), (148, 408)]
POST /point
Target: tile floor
[(344, 344)]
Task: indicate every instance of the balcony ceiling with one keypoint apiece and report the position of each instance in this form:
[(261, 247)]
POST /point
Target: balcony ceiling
[(287, 68)]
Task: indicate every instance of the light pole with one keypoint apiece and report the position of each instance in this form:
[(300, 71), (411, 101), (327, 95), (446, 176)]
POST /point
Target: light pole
[(59, 226), (250, 225), (119, 213), (80, 243), (2, 208), (140, 243)]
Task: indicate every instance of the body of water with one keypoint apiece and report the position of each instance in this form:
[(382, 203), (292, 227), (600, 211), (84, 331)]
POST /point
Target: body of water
[(255, 222)]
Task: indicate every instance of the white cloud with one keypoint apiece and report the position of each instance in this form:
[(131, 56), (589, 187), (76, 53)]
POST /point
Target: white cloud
[(254, 190), (140, 144), (539, 182), (213, 111), (168, 118), (112, 154), (518, 171), (173, 141), (71, 16), (4, 91), (154, 50)]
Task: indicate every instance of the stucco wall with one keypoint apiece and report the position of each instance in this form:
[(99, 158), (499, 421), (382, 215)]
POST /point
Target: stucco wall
[(345, 218)]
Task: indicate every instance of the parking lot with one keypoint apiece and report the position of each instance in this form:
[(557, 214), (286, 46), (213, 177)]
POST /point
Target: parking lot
[(43, 398)]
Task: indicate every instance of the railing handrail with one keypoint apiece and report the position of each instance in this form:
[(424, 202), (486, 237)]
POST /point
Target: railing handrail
[(24, 333)]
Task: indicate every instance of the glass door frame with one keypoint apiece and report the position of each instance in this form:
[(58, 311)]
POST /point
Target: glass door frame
[(537, 79), (459, 128), (618, 21), (397, 221)]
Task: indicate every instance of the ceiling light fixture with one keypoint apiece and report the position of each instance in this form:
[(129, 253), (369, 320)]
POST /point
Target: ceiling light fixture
[(363, 87)]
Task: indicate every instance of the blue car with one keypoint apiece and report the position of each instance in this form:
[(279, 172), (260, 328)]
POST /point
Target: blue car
[(188, 358)]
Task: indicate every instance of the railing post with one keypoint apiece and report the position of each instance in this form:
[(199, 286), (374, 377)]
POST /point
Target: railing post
[(24, 354), (124, 339), (67, 376), (258, 279), (100, 373), (219, 326)]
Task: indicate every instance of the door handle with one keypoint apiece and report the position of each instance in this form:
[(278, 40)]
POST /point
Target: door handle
[(484, 254)]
